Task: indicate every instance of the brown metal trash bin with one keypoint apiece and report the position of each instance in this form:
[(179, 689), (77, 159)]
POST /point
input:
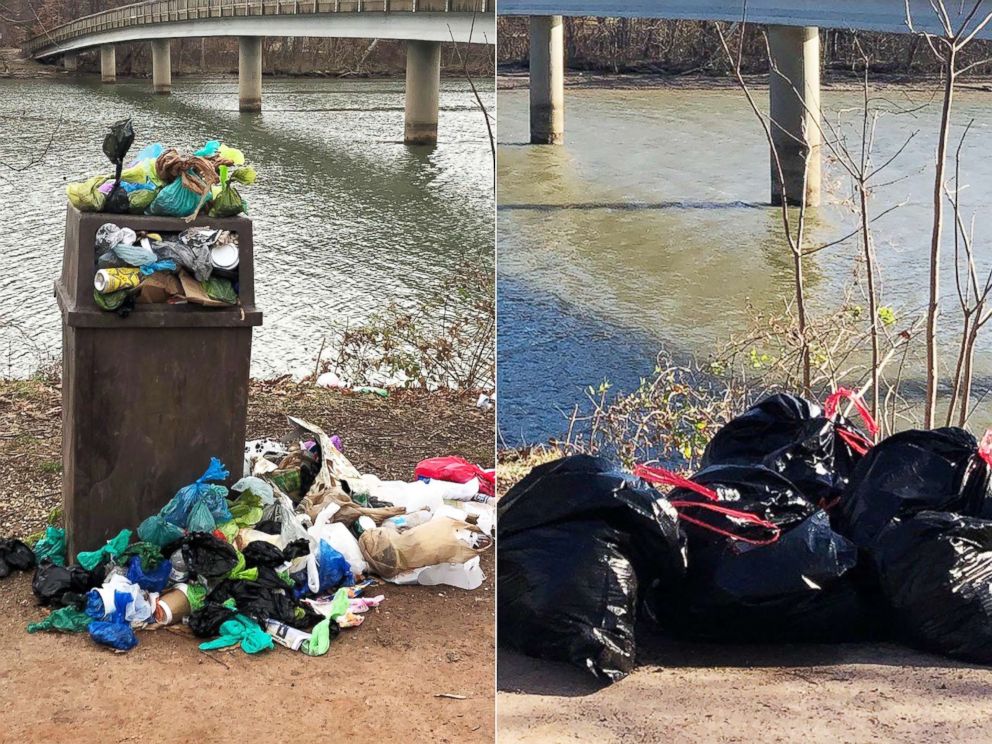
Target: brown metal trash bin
[(146, 399)]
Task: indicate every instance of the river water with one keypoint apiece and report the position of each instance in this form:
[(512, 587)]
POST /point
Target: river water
[(346, 217), (650, 230)]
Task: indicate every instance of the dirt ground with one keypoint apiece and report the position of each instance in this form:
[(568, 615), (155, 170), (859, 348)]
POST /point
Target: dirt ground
[(703, 693), (381, 680)]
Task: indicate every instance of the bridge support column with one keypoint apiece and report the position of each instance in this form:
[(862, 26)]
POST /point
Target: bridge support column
[(794, 108), (547, 80), (162, 66), (250, 73), (423, 86), (70, 61), (108, 63)]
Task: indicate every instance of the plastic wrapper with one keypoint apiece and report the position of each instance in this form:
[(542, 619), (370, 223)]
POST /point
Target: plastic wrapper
[(582, 547), (914, 471), (935, 570)]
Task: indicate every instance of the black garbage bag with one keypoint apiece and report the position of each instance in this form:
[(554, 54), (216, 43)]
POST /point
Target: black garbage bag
[(261, 553), (910, 472), (209, 556), (15, 556), (815, 449), (64, 585), (261, 603), (206, 621), (935, 570), (115, 146), (296, 549), (764, 562), (582, 548)]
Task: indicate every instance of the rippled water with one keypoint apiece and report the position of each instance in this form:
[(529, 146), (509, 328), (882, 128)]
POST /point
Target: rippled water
[(347, 218), (649, 229)]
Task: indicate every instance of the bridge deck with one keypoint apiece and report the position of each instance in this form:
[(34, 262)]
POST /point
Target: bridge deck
[(429, 20), (865, 15)]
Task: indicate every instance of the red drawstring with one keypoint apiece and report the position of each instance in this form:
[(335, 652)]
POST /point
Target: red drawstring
[(854, 440), (667, 477), (985, 447), (830, 407)]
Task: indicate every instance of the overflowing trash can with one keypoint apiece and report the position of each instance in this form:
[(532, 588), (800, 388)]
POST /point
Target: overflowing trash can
[(148, 394)]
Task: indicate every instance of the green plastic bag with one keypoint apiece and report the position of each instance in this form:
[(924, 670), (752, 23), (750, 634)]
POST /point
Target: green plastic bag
[(320, 639), (86, 196), (239, 572), (228, 529), (112, 300), (200, 518), (196, 594), (113, 549), (227, 201), (52, 546), (141, 199), (142, 172), (220, 289), (243, 630), (245, 175), (158, 531), (65, 619), (247, 509), (150, 553)]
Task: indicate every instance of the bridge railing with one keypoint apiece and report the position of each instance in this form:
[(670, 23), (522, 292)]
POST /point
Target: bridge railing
[(172, 11)]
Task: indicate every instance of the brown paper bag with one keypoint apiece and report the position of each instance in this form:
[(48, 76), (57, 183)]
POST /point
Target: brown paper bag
[(158, 288), (390, 553)]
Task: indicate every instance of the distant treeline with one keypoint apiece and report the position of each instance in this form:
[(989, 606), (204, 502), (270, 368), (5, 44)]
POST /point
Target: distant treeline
[(679, 47), (21, 19)]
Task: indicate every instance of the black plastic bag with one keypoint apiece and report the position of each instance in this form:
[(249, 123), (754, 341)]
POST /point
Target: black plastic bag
[(815, 449), (261, 553), (15, 556), (207, 555), (935, 570), (115, 146), (914, 471), (582, 548), (262, 603), (63, 585), (206, 621)]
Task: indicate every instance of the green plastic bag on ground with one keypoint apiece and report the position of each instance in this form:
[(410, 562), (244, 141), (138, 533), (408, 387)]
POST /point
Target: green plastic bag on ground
[(52, 546), (320, 639), (86, 196), (220, 289), (240, 630), (66, 620), (158, 531), (113, 549)]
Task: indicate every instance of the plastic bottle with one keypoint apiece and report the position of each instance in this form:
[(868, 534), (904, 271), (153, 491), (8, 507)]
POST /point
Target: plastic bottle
[(406, 521), (179, 571)]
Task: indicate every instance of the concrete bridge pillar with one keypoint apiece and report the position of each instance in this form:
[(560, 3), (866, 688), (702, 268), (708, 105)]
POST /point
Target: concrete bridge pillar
[(794, 107), (162, 66), (547, 80), (70, 61), (108, 63), (423, 86), (250, 73)]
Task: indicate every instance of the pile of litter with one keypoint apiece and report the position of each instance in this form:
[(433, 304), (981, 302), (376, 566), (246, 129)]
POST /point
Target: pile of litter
[(286, 556), (165, 181), (797, 528)]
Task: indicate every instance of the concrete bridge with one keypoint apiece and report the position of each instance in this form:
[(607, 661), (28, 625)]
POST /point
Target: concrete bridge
[(423, 24), (793, 35)]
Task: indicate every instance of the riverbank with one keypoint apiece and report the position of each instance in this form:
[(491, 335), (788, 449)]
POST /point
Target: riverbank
[(517, 78), (387, 674)]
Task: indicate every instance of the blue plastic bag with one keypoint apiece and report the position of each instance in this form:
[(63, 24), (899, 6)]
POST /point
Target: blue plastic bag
[(115, 631), (175, 200), (158, 531), (177, 511), (333, 569), (152, 581), (166, 264), (200, 518)]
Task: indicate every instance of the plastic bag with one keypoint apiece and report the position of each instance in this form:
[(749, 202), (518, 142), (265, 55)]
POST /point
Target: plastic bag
[(178, 509), (86, 196), (227, 202), (815, 450), (441, 540), (935, 570), (115, 632), (261, 603), (159, 531), (194, 257), (246, 510), (256, 486), (340, 538), (240, 630), (115, 146), (209, 556), (580, 546), (327, 569), (139, 201), (114, 547), (218, 288), (15, 556), (150, 554), (64, 620), (456, 470), (913, 471), (261, 553), (205, 622), (200, 518), (176, 200), (154, 580), (52, 546), (63, 585)]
